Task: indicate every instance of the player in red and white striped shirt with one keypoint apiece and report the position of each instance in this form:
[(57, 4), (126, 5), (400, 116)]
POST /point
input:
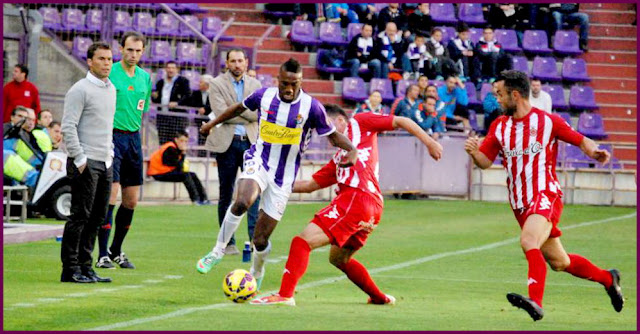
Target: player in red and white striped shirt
[(347, 222), (527, 140)]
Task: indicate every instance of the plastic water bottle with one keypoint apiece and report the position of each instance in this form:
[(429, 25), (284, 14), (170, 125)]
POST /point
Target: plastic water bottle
[(246, 252)]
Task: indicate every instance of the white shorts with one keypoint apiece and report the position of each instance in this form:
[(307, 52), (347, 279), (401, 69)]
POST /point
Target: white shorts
[(273, 199)]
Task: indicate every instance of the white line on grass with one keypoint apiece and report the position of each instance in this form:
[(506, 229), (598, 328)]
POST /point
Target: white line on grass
[(330, 280)]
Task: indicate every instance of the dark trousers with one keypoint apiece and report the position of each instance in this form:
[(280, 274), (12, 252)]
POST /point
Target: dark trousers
[(191, 182), (492, 63), (90, 193), (228, 164)]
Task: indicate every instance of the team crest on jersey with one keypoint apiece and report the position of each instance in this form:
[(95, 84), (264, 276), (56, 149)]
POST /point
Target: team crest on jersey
[(533, 132), (299, 119)]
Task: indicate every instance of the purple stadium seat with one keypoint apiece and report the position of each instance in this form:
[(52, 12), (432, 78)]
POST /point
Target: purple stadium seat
[(544, 68), (473, 121), (193, 21), (565, 43), (484, 90), (192, 8), (331, 34), (472, 95), (187, 54), (508, 39), (211, 25), (121, 21), (401, 87), (194, 78), (143, 22), (51, 18), (558, 102), (380, 6), (160, 51), (565, 115), (471, 13), (167, 25), (302, 33), (582, 97), (614, 163), (574, 70), (80, 46), (448, 33), (443, 13), (326, 68), (354, 89), (475, 34), (385, 87), (520, 64), (93, 20), (72, 19), (536, 42), (159, 75), (573, 156), (591, 125), (115, 50), (353, 29), (265, 79), (437, 83)]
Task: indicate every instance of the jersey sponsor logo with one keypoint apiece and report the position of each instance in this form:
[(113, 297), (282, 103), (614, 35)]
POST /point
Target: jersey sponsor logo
[(277, 134), (141, 104), (533, 149), (333, 214), (544, 202)]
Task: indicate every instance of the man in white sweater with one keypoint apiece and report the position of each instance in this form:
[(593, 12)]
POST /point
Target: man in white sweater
[(539, 98), (87, 124)]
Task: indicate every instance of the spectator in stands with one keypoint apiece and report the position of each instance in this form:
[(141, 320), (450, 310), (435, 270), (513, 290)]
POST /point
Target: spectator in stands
[(21, 160), (511, 16), (252, 73), (366, 12), (171, 91), (461, 52), (454, 96), (37, 136), (200, 98), (569, 13), (490, 57), (305, 11), (423, 83), (420, 22), (232, 138), (18, 114), (364, 50), (407, 106), (439, 63), (417, 53), (432, 90), (539, 98), (373, 104), (19, 92), (392, 51), (44, 119), (340, 12), (491, 107), (426, 116), (55, 134), (394, 14), (169, 164)]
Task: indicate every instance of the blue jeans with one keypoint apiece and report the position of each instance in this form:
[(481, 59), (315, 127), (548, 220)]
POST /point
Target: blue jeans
[(228, 164), (572, 19), (374, 65)]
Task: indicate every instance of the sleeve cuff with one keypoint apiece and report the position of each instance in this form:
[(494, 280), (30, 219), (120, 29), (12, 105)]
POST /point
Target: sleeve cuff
[(80, 160), (327, 133)]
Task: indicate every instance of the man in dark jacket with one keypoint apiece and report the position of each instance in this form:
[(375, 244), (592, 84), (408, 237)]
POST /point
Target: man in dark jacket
[(461, 53), (170, 92), (393, 13), (490, 57), (568, 13), (393, 49), (364, 50), (420, 22)]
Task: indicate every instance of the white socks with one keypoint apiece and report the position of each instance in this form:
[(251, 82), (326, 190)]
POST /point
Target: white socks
[(259, 259), (229, 226)]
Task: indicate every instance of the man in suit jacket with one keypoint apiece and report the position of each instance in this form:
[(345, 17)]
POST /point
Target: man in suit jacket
[(171, 91), (235, 136)]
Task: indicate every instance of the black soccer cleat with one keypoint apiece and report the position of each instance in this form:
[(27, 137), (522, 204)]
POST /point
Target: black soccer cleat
[(534, 310), (615, 291)]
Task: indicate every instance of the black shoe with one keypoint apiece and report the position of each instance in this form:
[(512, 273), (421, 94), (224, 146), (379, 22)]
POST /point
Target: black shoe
[(534, 310), (90, 273), (615, 291), (122, 261), (75, 277)]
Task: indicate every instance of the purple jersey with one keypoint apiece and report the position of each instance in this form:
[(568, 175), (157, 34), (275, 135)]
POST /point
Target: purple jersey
[(284, 132)]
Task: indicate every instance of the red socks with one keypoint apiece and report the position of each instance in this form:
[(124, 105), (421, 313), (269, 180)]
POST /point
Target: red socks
[(583, 268), (359, 275), (537, 274), (296, 266)]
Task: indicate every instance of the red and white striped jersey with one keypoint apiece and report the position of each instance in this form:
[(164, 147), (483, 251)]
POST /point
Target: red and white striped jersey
[(363, 132), (529, 150)]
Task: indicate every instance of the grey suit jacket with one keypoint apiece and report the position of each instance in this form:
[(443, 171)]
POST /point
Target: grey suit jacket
[(221, 96)]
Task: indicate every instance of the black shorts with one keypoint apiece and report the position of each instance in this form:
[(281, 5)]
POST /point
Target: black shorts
[(127, 160)]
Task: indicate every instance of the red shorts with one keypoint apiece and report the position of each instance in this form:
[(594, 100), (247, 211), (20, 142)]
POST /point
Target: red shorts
[(349, 219), (546, 204)]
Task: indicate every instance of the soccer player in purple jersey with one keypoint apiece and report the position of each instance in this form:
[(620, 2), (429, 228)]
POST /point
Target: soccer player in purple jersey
[(286, 117)]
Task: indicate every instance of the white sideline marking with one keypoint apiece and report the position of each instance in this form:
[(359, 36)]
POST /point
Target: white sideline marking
[(153, 281), (330, 280)]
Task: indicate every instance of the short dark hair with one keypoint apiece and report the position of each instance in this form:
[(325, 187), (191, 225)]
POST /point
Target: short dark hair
[(462, 27), (171, 62), (43, 110), (54, 123), (18, 108), (97, 46), (23, 68), (241, 50), (181, 133), (292, 66), (367, 24), (487, 27), (535, 79), (136, 37), (409, 88), (515, 80), (420, 36), (450, 75), (436, 29), (335, 110)]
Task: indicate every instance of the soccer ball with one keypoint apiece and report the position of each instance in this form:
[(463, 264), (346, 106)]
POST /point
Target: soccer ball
[(239, 286)]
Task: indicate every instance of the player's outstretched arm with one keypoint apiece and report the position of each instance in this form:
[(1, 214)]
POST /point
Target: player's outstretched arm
[(233, 111), (306, 186), (591, 149), (339, 140), (472, 146), (435, 149)]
